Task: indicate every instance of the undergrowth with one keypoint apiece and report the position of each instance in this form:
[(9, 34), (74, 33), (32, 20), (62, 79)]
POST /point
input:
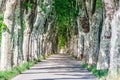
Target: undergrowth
[(8, 75), (101, 74), (98, 73)]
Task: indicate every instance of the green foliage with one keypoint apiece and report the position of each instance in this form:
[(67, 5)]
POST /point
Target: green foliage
[(66, 11), (28, 5), (99, 4), (97, 73), (66, 8), (4, 27), (62, 41), (43, 7), (1, 23)]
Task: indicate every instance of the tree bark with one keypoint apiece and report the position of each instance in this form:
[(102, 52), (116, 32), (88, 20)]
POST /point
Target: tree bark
[(115, 45), (7, 35), (104, 60)]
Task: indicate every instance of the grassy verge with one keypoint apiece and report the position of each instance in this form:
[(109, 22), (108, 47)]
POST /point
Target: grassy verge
[(101, 74), (7, 75)]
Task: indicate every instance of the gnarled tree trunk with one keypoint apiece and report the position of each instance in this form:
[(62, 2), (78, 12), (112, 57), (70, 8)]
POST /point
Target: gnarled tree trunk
[(7, 35), (103, 60)]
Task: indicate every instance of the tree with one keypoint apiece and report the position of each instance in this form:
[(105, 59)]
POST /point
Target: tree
[(104, 55), (7, 35)]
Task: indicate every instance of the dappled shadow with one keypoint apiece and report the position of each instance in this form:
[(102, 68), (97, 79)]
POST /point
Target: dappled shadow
[(57, 70), (57, 67), (73, 67), (82, 78)]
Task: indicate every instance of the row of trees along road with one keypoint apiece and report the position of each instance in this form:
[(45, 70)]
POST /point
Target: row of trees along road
[(87, 29)]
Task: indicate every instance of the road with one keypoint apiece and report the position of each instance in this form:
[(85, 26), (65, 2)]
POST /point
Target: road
[(57, 67)]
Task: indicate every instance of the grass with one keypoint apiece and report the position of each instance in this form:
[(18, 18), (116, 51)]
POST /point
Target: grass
[(98, 73), (101, 74), (7, 75)]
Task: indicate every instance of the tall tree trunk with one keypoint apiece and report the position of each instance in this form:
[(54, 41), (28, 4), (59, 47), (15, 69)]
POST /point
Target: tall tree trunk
[(26, 38), (18, 35), (115, 44), (7, 35), (2, 5), (80, 39), (103, 60), (90, 8), (94, 29)]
